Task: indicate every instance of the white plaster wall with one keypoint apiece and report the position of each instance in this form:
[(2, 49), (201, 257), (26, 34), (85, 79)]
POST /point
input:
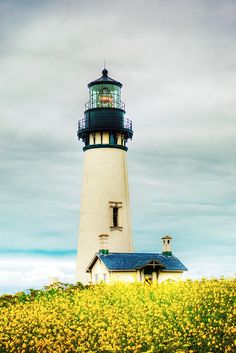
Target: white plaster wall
[(105, 179), (98, 138), (128, 277), (100, 269), (105, 137), (134, 276), (169, 275)]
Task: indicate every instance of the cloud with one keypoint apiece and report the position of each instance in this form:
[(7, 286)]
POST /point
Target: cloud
[(210, 269), (24, 271)]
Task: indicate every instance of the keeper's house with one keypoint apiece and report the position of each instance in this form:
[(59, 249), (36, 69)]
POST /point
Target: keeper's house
[(133, 267)]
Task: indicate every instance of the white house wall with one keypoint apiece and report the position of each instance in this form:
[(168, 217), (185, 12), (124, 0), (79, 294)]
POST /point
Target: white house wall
[(169, 275), (128, 277), (99, 270)]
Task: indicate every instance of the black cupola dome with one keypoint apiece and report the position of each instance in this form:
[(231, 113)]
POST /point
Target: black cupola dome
[(104, 79)]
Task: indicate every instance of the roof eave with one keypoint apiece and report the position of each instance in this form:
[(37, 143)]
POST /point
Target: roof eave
[(91, 264), (182, 270)]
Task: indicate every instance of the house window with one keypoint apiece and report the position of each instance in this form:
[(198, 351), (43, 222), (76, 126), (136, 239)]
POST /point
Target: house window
[(96, 278), (104, 277)]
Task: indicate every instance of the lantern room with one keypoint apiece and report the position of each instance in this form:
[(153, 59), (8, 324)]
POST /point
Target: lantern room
[(104, 124), (104, 93)]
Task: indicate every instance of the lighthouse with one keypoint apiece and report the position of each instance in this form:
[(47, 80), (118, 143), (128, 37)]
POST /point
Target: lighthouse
[(105, 202)]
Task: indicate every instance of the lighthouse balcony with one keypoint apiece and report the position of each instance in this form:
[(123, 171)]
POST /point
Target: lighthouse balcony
[(105, 122)]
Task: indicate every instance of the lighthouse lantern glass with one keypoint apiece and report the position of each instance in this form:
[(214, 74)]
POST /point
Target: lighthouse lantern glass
[(104, 96)]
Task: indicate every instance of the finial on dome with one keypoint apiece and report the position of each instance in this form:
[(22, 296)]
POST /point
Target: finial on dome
[(104, 72)]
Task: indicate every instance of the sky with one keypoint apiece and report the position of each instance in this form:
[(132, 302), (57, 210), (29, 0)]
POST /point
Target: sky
[(177, 62)]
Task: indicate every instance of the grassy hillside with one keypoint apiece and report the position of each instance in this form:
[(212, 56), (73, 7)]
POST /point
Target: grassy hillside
[(191, 316)]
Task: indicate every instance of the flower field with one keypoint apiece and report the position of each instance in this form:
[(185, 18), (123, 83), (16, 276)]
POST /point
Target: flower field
[(188, 316)]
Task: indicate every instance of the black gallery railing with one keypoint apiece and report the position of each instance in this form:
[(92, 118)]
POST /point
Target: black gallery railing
[(105, 123)]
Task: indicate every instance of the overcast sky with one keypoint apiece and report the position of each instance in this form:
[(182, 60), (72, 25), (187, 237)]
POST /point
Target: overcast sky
[(177, 62)]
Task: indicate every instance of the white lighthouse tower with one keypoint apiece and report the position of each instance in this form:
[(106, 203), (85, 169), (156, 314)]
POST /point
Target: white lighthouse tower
[(105, 204)]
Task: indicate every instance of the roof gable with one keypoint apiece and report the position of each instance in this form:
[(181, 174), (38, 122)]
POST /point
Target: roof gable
[(142, 263)]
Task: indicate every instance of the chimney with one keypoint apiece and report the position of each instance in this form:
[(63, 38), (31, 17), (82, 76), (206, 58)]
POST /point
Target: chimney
[(103, 244), (166, 245)]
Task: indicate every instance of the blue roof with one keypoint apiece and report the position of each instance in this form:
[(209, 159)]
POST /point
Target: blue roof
[(133, 261)]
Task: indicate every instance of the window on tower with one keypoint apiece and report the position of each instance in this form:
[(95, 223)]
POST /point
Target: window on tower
[(115, 216), (113, 138)]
